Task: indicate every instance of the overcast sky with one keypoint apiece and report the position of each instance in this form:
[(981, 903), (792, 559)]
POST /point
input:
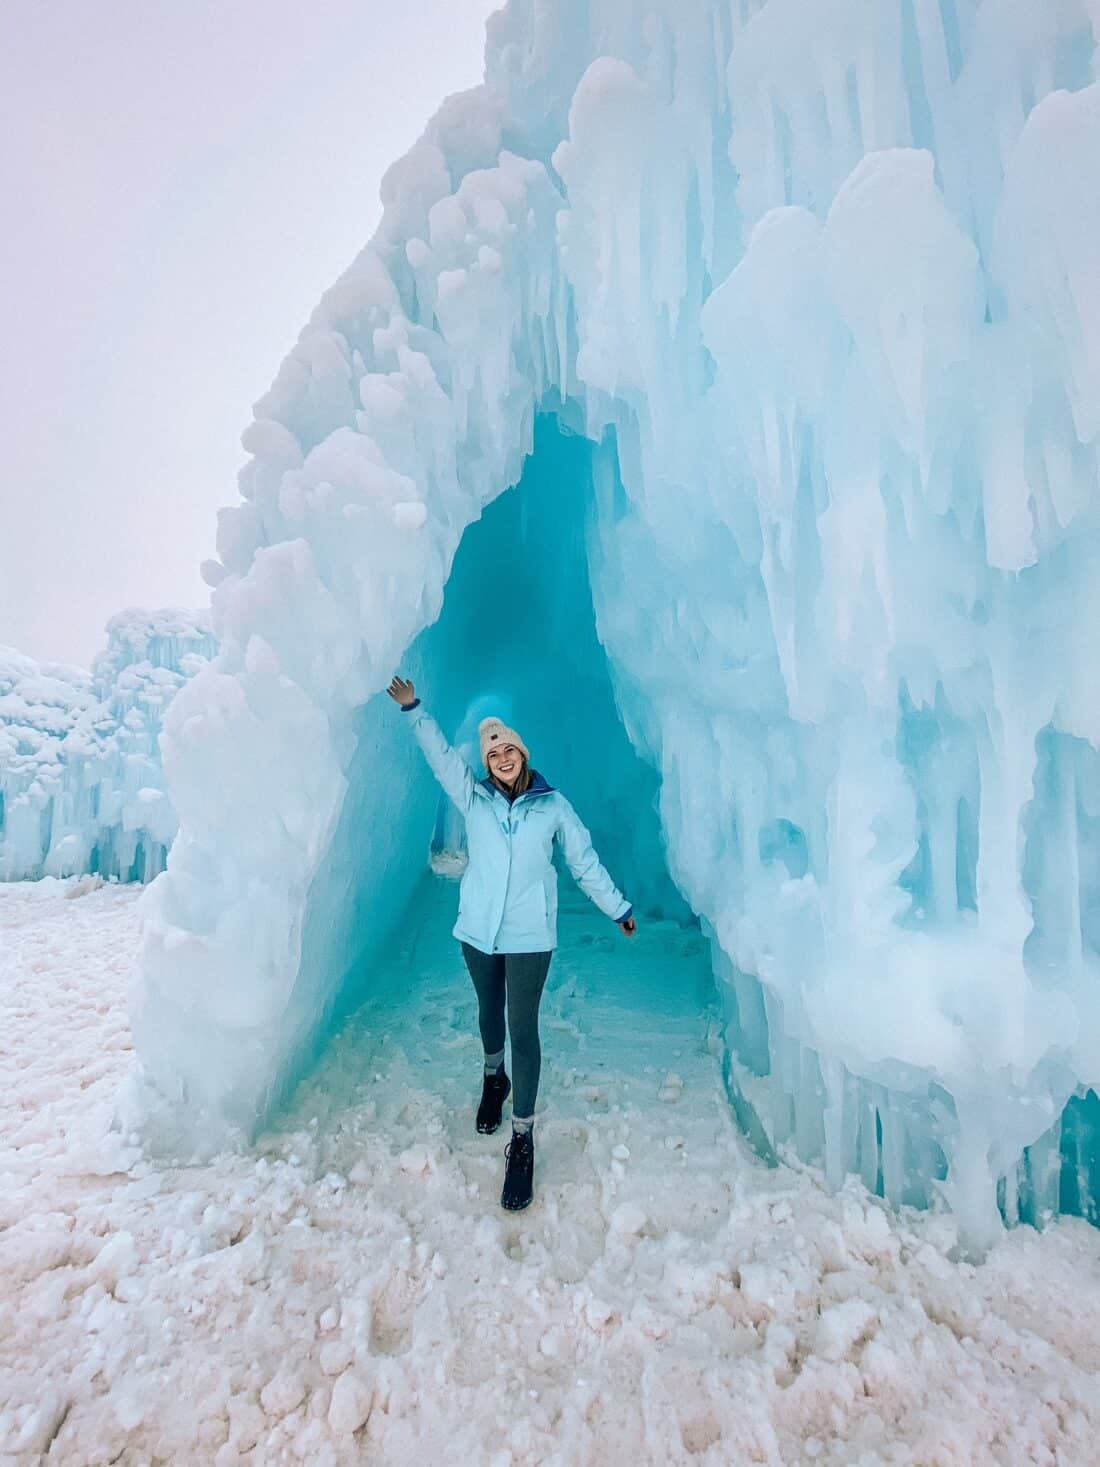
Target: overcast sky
[(181, 179)]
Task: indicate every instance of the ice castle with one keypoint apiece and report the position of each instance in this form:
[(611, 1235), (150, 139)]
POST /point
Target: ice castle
[(720, 391), (81, 779)]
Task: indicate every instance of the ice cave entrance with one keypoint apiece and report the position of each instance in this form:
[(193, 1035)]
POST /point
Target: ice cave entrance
[(517, 636)]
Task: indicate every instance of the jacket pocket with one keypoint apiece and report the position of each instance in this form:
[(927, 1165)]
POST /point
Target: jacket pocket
[(550, 902), (534, 904), (526, 913)]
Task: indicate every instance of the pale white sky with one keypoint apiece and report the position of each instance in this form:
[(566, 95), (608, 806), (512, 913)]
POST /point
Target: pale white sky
[(181, 179)]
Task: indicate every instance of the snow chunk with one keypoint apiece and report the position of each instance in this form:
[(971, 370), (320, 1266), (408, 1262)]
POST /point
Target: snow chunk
[(840, 1327), (351, 1403), (628, 1219), (283, 1392)]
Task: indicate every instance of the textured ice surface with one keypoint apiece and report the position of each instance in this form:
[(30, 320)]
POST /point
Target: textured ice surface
[(819, 290), (81, 781)]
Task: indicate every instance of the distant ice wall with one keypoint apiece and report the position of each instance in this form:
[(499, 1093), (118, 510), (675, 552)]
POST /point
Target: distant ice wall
[(81, 781), (822, 282)]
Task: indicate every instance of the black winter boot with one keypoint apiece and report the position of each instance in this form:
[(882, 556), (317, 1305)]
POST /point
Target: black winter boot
[(494, 1092), (520, 1172)]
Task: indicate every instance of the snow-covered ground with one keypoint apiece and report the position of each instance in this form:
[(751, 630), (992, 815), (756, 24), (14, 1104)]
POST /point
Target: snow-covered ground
[(352, 1291)]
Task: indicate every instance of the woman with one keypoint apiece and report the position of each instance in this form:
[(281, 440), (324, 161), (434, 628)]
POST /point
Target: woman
[(508, 907)]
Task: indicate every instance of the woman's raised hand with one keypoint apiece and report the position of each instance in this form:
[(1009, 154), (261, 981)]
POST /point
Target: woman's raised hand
[(402, 692)]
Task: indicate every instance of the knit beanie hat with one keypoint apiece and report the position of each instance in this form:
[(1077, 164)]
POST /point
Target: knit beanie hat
[(493, 732)]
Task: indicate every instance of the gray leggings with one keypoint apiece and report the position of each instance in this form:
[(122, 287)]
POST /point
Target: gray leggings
[(519, 978)]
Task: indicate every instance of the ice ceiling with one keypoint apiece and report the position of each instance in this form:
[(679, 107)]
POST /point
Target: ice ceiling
[(723, 386)]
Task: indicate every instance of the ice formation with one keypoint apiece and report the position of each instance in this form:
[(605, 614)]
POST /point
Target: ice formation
[(784, 322), (81, 780)]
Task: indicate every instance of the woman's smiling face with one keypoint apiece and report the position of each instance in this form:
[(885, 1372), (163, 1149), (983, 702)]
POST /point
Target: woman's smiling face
[(505, 761)]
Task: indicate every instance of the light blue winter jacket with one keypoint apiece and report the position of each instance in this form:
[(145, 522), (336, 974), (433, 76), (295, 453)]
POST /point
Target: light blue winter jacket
[(508, 898)]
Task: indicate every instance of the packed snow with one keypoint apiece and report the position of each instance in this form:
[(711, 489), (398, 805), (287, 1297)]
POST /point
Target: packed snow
[(351, 1290), (82, 786), (818, 288)]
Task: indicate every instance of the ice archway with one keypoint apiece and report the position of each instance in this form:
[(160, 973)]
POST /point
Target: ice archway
[(819, 286)]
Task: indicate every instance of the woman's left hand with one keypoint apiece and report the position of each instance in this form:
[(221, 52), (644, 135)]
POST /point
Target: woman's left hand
[(630, 926)]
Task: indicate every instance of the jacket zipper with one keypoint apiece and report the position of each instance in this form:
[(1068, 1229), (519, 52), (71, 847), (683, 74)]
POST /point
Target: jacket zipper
[(508, 829)]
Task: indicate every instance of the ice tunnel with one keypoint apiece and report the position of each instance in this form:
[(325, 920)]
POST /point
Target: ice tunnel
[(517, 636), (719, 397)]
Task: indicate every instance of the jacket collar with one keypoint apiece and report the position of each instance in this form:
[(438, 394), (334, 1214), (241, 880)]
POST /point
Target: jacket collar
[(538, 786)]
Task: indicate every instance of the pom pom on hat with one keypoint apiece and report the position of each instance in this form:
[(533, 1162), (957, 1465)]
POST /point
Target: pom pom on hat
[(492, 732)]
